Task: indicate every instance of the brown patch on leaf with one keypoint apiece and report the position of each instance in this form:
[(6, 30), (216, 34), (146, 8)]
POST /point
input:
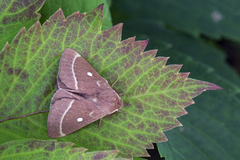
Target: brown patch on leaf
[(50, 147), (140, 109), (137, 70), (126, 63), (3, 148), (142, 137), (15, 7), (131, 126), (10, 71), (24, 75), (27, 104), (141, 126), (126, 104), (1, 55), (15, 41), (47, 91), (6, 65), (17, 71), (46, 154), (32, 144), (1, 30), (100, 155), (62, 145), (38, 100), (163, 113), (123, 134), (110, 145), (18, 149), (20, 88), (154, 126), (6, 20), (131, 141)]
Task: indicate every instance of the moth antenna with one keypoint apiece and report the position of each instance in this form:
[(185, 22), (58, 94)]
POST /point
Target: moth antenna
[(122, 111), (120, 94), (99, 125), (114, 83)]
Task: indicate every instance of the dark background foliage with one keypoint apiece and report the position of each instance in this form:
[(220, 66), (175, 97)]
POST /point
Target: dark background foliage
[(203, 36)]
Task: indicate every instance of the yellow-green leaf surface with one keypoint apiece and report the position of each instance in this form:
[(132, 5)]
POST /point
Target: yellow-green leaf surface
[(156, 94), (49, 149), (15, 14)]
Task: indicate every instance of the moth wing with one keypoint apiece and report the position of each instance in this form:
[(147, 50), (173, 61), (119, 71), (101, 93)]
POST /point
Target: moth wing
[(77, 74), (69, 115), (83, 96), (60, 84), (61, 94)]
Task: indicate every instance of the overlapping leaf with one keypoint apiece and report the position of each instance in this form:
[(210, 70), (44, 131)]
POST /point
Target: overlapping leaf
[(40, 149), (69, 7), (209, 131), (14, 15), (156, 93)]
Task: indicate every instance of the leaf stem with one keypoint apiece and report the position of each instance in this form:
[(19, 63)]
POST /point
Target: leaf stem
[(9, 117)]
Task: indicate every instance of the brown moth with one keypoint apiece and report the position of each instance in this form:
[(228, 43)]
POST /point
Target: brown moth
[(83, 96)]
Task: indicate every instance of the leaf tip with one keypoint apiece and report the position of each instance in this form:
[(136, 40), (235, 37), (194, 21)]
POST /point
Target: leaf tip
[(57, 15), (100, 7), (212, 86), (7, 44), (184, 75), (119, 25), (218, 87), (145, 42)]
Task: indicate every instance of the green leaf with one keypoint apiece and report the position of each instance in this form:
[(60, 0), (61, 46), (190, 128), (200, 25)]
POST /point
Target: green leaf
[(156, 94), (69, 7), (40, 149), (14, 15), (212, 18), (209, 130)]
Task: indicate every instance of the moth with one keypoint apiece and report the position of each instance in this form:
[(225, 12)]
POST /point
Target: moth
[(82, 97)]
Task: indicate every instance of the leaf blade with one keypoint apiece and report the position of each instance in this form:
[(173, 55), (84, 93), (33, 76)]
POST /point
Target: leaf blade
[(35, 149)]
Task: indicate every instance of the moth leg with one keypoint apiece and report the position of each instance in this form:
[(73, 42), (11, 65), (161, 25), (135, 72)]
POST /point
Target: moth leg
[(122, 94), (99, 125), (122, 111), (114, 83)]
